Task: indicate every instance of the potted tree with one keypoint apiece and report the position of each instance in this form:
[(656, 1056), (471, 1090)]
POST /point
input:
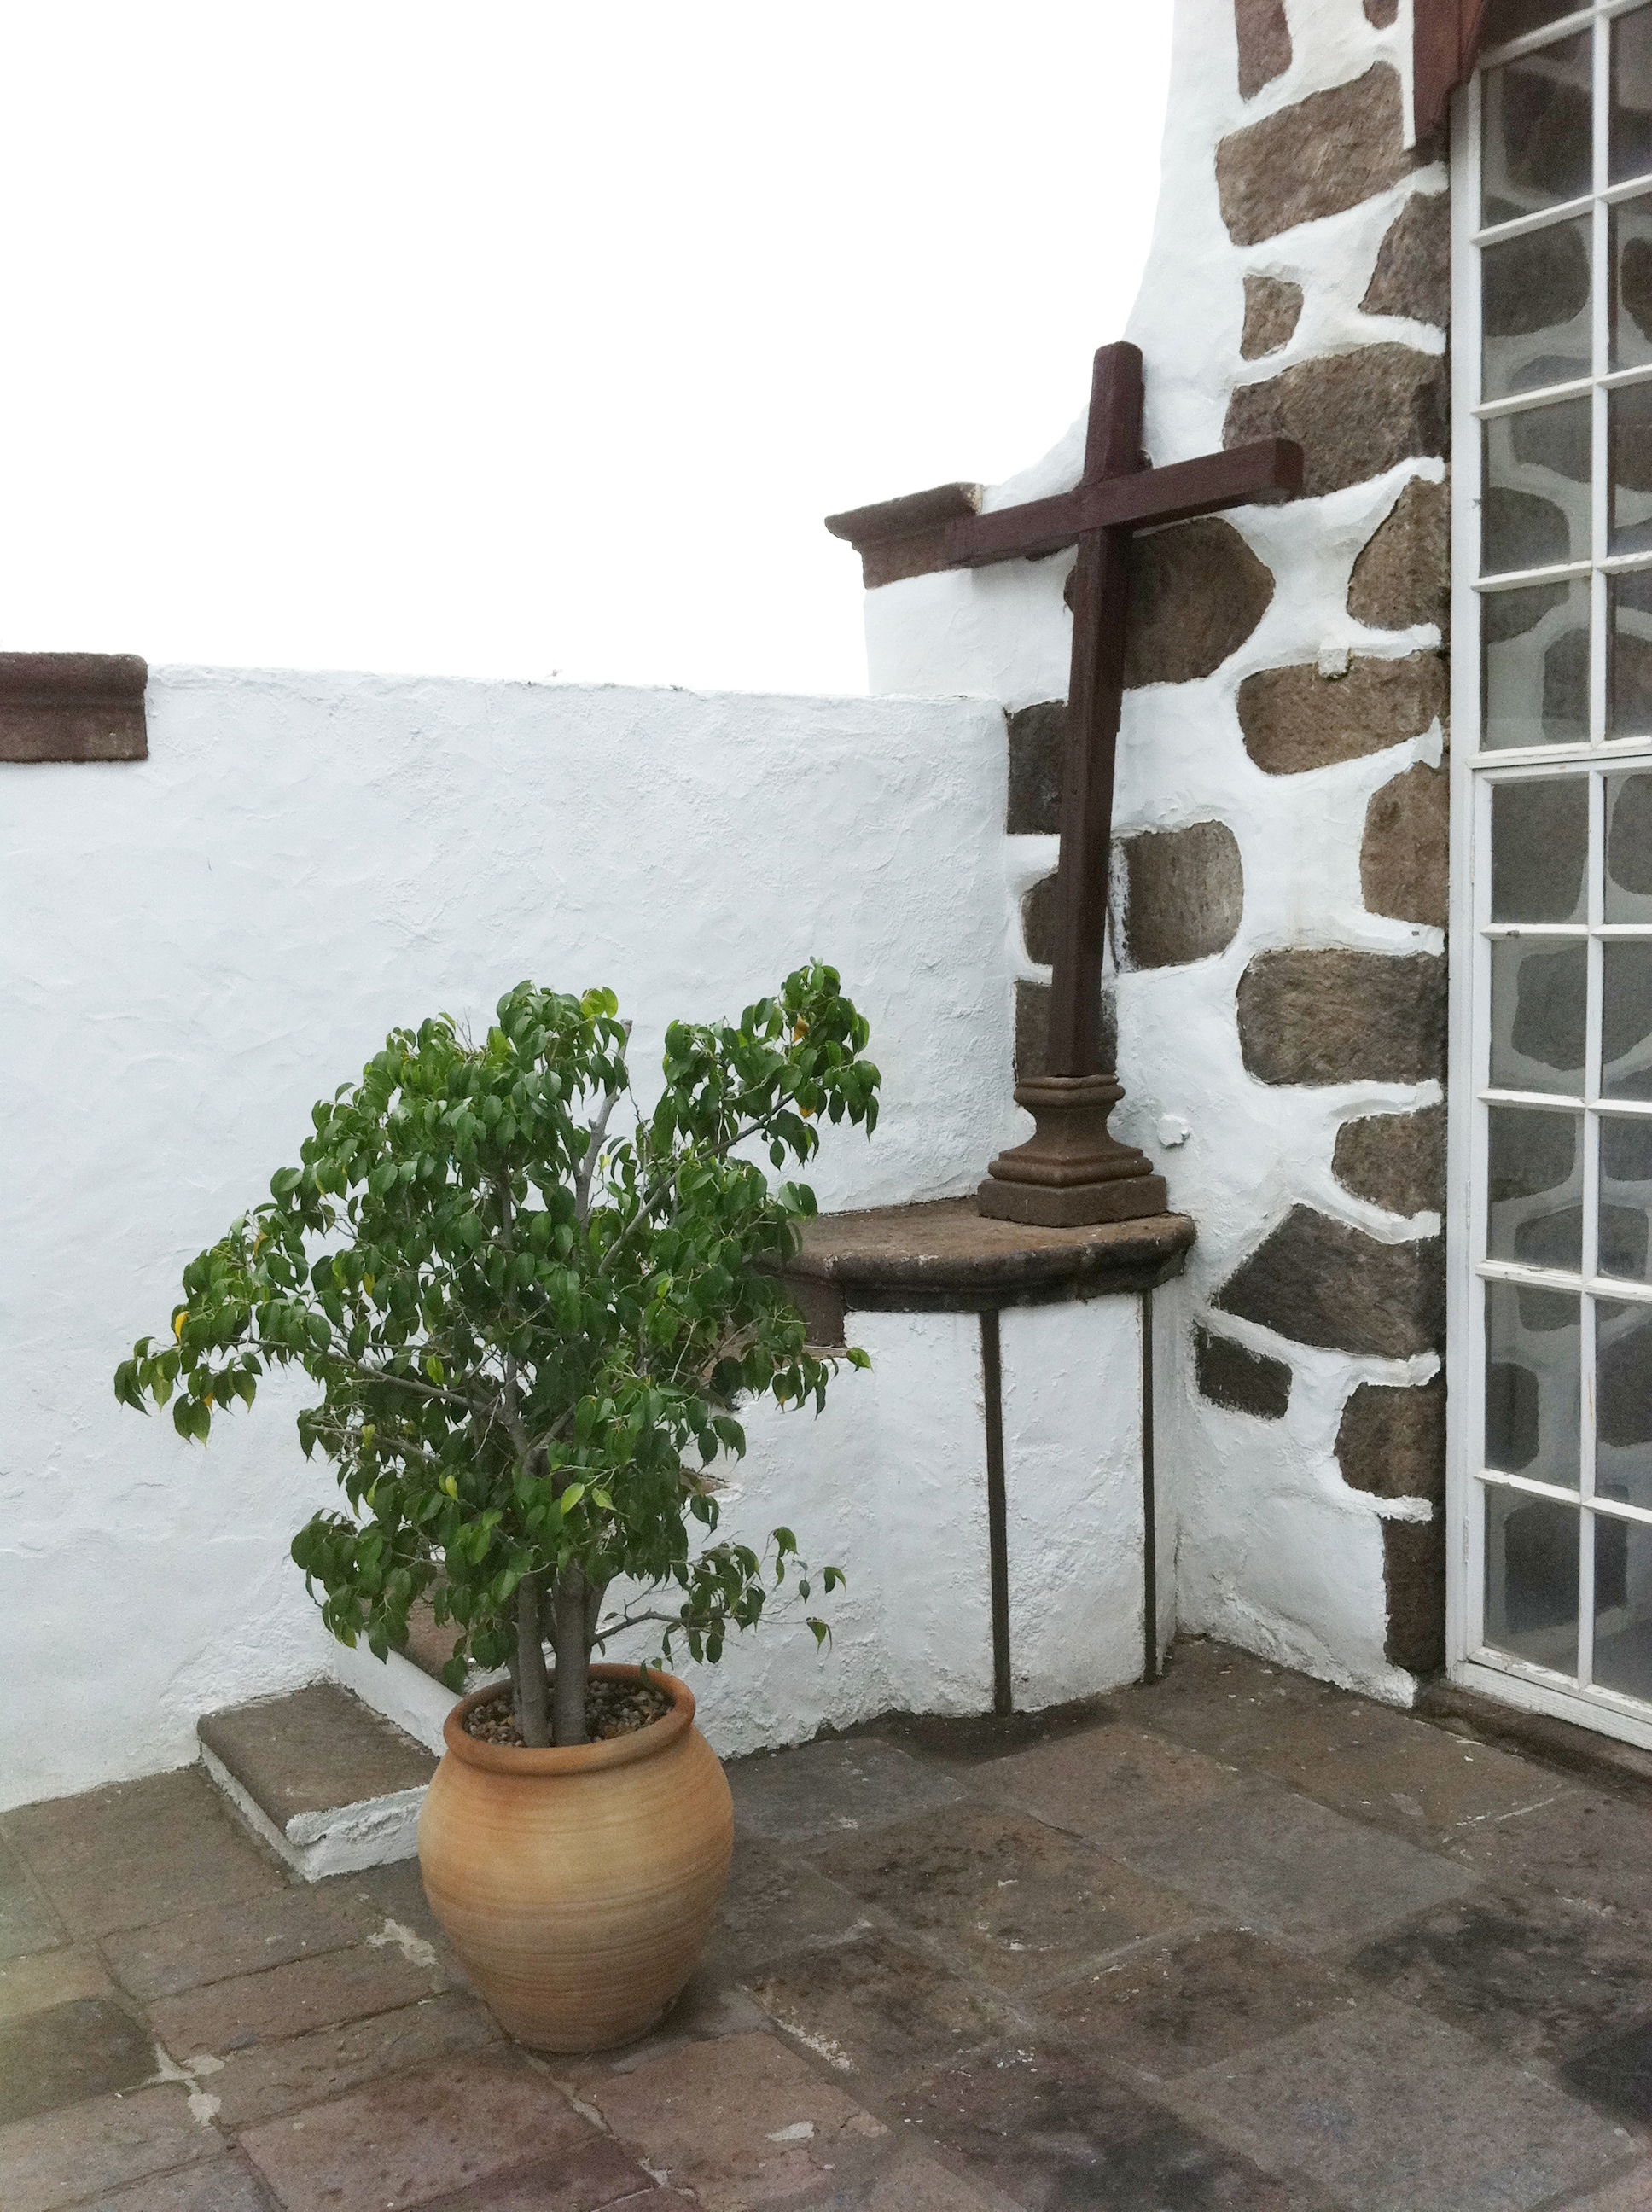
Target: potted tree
[(531, 1308)]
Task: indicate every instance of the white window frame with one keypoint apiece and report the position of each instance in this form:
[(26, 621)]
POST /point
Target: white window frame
[(1471, 1661)]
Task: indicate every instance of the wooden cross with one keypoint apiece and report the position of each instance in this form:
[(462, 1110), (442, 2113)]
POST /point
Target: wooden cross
[(1072, 1171)]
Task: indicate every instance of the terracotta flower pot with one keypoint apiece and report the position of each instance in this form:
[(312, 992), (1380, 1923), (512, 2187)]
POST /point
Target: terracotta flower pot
[(577, 1887)]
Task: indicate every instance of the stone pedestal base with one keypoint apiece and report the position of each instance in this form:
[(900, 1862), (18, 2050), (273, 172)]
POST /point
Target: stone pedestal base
[(1070, 1173)]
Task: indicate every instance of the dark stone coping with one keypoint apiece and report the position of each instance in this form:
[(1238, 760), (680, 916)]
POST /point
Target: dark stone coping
[(944, 1257), (316, 1750), (72, 707), (1602, 1759)]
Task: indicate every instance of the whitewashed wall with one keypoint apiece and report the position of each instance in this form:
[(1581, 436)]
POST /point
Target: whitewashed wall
[(198, 946), (1272, 1549)]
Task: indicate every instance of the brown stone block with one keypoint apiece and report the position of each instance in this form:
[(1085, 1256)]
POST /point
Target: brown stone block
[(72, 707), (1183, 894), (1413, 276), (270, 2078), (1264, 38), (1413, 1580), (1273, 310), (1032, 1029), (1354, 415), (1325, 153), (291, 2000), (1328, 1016), (1391, 1440), (88, 2047), (1037, 736), (1404, 853), (63, 2158), (1382, 13), (1197, 592), (1038, 920), (1293, 718), (1230, 1374), (1404, 575), (1394, 1160), (1324, 1282)]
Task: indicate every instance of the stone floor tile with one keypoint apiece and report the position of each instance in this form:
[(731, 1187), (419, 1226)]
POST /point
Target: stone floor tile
[(138, 1852), (738, 2124), (388, 1903), (41, 1978), (1615, 2074), (1115, 1787), (63, 2157), (1178, 2007), (873, 2003), (290, 2000), (159, 1961), (774, 1901), (27, 1923), (1268, 1859), (86, 2048), (1221, 1700), (707, 2009), (1024, 1902), (273, 2078), (1053, 2130), (964, 1741), (417, 2137), (597, 2174), (1378, 1765), (1630, 2193), (1574, 1842), (821, 1787), (223, 2185), (911, 2182), (1534, 1974), (1392, 2111)]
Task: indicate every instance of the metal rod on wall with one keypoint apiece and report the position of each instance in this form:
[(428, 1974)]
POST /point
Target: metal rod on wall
[(997, 1534)]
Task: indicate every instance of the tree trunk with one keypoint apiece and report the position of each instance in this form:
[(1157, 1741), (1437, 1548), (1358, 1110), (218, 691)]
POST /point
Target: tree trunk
[(532, 1690), (573, 1658)]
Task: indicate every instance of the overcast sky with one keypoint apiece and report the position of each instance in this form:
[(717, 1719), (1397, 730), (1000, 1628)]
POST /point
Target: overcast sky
[(523, 338)]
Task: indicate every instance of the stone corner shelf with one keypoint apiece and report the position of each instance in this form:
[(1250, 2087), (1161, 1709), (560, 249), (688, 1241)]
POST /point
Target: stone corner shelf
[(942, 1257), (72, 707)]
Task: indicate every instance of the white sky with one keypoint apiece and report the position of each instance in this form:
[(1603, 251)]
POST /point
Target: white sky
[(518, 337)]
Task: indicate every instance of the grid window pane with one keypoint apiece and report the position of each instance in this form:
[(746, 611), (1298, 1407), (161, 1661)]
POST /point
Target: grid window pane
[(1535, 1200), (1631, 283), (1535, 304), (1623, 1607), (1539, 1007), (1626, 1019), (1513, 19), (1629, 667), (1540, 849), (1536, 665), (1536, 139), (1533, 1398), (1534, 504), (1531, 1578), (1623, 1395), (1630, 127), (1625, 1202), (1628, 490), (1629, 847)]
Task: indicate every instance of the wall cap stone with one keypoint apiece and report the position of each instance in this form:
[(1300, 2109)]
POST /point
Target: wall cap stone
[(72, 707)]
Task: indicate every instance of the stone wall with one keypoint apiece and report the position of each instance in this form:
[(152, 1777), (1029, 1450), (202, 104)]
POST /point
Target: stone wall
[(1279, 882)]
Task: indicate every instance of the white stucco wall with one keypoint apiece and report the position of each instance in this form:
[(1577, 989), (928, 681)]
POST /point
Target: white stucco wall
[(1271, 1548), (198, 946)]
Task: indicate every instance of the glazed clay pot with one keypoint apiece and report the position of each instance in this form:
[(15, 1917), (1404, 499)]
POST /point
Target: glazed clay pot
[(577, 1887)]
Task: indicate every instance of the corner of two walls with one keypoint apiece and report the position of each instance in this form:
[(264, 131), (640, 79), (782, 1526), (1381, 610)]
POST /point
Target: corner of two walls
[(1279, 872)]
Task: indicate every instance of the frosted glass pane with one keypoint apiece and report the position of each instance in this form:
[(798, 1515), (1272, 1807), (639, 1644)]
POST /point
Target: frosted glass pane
[(1630, 126), (1629, 848), (1531, 1578), (1532, 1396), (1535, 506), (1623, 1607), (1625, 1229), (1631, 283), (1537, 140), (1535, 1189), (1536, 665), (1623, 1393), (1540, 849), (1626, 1019), (1535, 301), (1629, 425), (1539, 1006)]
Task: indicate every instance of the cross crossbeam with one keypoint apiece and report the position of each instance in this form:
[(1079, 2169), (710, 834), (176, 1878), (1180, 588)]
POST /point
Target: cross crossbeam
[(1073, 1171)]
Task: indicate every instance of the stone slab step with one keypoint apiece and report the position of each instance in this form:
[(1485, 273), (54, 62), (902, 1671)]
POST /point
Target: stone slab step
[(329, 1783)]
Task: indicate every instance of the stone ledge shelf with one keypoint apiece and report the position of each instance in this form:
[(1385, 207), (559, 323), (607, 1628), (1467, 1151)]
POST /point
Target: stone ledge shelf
[(944, 1257), (73, 707)]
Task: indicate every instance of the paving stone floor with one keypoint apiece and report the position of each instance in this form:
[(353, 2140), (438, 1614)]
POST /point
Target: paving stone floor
[(1235, 1943)]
